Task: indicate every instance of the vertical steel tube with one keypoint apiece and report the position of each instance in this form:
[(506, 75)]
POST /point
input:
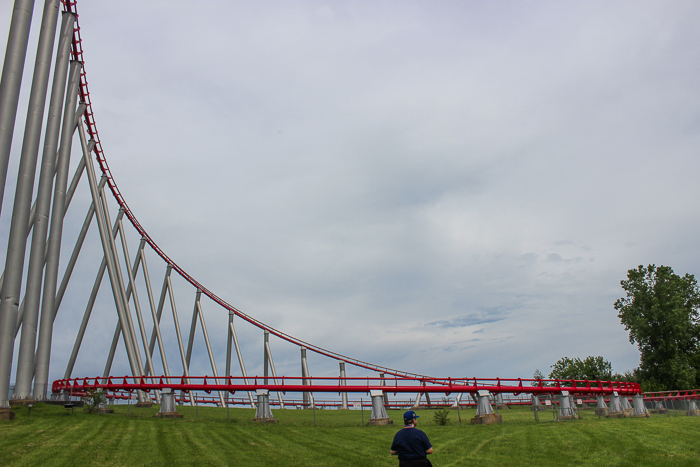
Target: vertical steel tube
[(53, 250), (240, 361), (383, 383), (131, 290), (112, 351), (307, 397), (74, 183), (193, 327), (74, 256), (91, 299), (124, 299), (37, 255), (161, 304), (185, 365), (228, 348), (154, 315), (343, 381), (17, 243), (84, 322), (266, 356), (104, 237), (10, 82), (274, 373), (198, 305)]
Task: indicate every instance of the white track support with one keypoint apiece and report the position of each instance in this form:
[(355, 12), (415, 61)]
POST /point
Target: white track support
[(112, 350), (308, 397), (91, 300), (78, 244), (71, 190), (416, 404), (386, 396), (156, 312), (232, 334), (268, 356), (122, 291), (227, 371), (185, 366), (198, 307), (104, 237), (193, 327), (343, 381), (131, 291)]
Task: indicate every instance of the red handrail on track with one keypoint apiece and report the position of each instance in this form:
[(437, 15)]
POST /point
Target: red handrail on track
[(77, 53), (78, 386), (672, 395)]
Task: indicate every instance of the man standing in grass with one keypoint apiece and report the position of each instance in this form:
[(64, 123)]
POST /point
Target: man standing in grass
[(411, 444)]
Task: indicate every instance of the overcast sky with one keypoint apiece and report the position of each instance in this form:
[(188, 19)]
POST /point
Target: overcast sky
[(453, 188)]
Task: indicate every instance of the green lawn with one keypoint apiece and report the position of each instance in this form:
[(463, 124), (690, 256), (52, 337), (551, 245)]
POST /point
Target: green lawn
[(54, 436)]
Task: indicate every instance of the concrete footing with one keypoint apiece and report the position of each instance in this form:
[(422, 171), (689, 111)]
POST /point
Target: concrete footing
[(502, 407), (7, 414), (602, 412), (145, 405), (263, 414), (694, 413), (167, 405), (378, 415), (103, 410), (487, 419), (619, 414)]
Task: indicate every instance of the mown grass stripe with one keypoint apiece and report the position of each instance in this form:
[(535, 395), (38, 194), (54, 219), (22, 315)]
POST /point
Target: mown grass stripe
[(52, 436)]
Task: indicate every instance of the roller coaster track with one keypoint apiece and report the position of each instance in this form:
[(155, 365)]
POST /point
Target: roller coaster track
[(89, 119), (390, 380)]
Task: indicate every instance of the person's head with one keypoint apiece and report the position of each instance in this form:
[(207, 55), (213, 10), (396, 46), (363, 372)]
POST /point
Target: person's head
[(409, 418)]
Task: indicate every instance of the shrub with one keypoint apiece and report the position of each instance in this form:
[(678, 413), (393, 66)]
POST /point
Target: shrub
[(93, 399), (441, 416)]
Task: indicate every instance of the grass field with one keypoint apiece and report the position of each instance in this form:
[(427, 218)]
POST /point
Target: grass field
[(51, 435)]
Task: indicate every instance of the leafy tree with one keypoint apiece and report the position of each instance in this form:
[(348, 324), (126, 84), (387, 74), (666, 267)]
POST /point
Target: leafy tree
[(594, 368), (630, 376), (660, 312), (536, 375)]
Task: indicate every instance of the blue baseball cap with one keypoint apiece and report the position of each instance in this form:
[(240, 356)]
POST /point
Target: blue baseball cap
[(409, 415)]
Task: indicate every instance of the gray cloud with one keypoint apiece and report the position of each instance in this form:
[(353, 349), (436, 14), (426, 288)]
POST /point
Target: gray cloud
[(483, 316)]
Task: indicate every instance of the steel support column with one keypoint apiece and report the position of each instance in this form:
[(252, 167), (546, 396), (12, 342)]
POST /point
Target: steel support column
[(308, 398), (268, 354), (198, 307), (38, 251), (154, 315), (104, 237), (232, 333), (53, 250), (10, 83), (343, 395)]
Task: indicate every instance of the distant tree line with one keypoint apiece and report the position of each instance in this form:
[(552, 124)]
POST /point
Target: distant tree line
[(661, 311)]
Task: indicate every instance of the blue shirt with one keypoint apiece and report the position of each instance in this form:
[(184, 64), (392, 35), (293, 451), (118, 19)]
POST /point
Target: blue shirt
[(411, 443)]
